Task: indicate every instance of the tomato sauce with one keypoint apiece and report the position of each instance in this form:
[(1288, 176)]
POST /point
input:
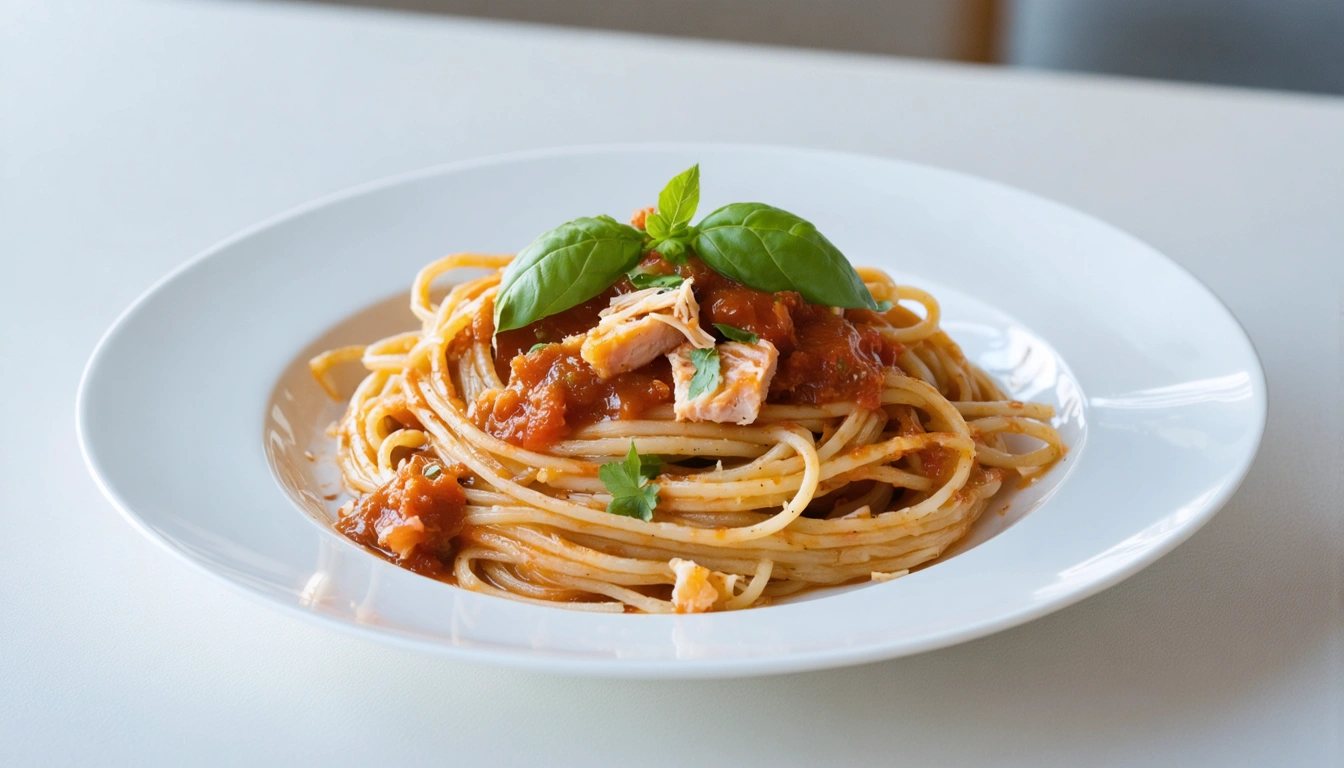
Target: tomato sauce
[(833, 359), (412, 519), (553, 391), (550, 392), (556, 328), (824, 357), (939, 463)]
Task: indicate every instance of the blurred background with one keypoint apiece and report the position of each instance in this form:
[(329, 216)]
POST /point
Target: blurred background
[(1283, 44)]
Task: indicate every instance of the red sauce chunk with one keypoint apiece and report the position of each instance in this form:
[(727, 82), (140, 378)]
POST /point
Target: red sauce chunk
[(553, 391), (824, 356), (413, 519), (834, 359), (728, 302), (574, 321)]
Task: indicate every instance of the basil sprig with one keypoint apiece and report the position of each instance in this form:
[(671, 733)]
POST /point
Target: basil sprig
[(679, 199), (755, 244), (670, 227)]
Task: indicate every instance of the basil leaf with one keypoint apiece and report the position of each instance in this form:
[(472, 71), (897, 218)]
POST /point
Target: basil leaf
[(642, 280), (563, 267), (707, 377), (539, 345), (627, 482), (657, 226), (884, 306), (674, 250), (679, 199), (773, 250), (737, 334)]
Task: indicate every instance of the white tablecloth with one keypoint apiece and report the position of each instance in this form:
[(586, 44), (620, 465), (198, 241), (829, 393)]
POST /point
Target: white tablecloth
[(133, 135)]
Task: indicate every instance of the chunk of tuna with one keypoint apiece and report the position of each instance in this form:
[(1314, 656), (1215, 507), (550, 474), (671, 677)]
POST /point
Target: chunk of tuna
[(693, 592), (640, 326), (629, 345), (745, 371)]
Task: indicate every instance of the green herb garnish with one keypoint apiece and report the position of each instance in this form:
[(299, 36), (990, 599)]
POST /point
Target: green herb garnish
[(538, 345), (673, 250), (884, 306), (737, 334), (432, 471), (670, 225), (773, 250), (755, 244), (649, 466), (707, 377), (629, 483), (564, 267), (642, 280)]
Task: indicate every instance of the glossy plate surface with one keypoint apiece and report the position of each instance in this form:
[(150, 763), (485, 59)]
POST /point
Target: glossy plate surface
[(196, 409)]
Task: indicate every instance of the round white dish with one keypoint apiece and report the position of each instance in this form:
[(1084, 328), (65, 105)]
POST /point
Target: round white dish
[(196, 409)]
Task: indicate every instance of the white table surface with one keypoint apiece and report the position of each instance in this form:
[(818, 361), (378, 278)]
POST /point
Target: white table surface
[(133, 135)]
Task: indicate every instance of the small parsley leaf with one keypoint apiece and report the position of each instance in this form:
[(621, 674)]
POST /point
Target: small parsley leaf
[(638, 506), (642, 280), (649, 466), (707, 377), (539, 345), (737, 334), (632, 495), (432, 471)]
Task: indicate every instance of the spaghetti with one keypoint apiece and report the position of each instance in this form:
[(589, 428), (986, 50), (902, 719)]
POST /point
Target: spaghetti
[(823, 487)]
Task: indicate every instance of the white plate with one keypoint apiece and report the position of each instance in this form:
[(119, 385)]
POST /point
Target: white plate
[(195, 409)]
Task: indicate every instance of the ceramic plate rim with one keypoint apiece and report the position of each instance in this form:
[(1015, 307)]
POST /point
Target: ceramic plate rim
[(686, 668)]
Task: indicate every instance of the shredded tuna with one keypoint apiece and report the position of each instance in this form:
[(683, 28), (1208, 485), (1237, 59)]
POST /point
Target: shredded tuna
[(745, 369), (639, 327), (693, 592), (628, 345)]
